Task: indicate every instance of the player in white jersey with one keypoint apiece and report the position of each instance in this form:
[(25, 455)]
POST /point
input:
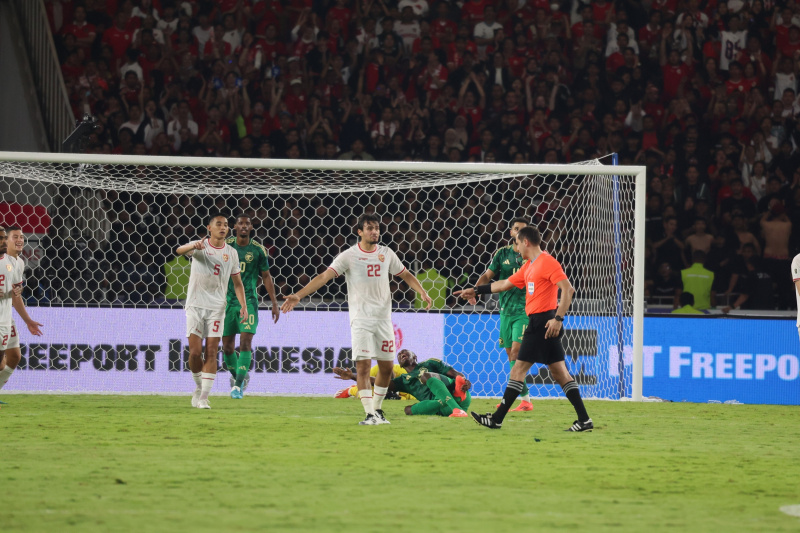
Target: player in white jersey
[(15, 242), (796, 278), (367, 267), (214, 262), (732, 43)]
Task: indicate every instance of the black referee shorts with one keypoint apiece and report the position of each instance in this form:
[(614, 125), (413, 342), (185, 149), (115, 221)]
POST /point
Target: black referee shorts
[(535, 348)]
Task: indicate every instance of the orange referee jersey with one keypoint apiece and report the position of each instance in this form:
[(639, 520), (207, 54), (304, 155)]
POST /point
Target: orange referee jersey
[(539, 278)]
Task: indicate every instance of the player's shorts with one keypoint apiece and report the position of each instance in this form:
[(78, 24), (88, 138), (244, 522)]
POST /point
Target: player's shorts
[(535, 348), (511, 329), (372, 339), (204, 323), (13, 341), (233, 324), (5, 336)]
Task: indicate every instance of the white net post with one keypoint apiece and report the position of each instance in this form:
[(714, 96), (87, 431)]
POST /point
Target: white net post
[(446, 219)]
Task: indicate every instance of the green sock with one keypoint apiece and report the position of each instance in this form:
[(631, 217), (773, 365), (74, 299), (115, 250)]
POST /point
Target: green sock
[(428, 407), (243, 367), (439, 390), (525, 391), (230, 363)]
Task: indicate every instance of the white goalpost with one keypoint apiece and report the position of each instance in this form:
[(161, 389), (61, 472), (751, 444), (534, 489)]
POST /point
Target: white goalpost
[(102, 276)]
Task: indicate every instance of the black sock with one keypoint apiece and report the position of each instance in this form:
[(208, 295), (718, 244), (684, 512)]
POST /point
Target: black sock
[(573, 393), (513, 389)]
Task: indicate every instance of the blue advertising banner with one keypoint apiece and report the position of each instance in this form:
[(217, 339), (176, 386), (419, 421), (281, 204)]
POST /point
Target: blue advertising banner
[(685, 359)]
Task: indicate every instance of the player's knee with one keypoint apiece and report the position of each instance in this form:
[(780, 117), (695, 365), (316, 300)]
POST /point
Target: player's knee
[(12, 359), (407, 410), (245, 346)]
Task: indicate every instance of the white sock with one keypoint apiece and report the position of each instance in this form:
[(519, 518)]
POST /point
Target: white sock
[(5, 374), (196, 376), (365, 396), (377, 397), (525, 398), (208, 382)]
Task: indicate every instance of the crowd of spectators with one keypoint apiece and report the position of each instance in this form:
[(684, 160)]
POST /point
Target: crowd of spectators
[(703, 93)]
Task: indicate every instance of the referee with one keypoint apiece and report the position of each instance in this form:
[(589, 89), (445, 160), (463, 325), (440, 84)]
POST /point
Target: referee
[(541, 277)]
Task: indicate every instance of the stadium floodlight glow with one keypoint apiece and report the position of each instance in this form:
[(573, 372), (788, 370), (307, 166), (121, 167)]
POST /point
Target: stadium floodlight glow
[(446, 216)]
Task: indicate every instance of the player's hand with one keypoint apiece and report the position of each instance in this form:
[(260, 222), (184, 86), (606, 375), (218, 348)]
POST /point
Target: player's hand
[(343, 373), (426, 299), (243, 315), (199, 245), (276, 313), (472, 301), (466, 386), (289, 303), (33, 327), (466, 294), (17, 290), (553, 329)]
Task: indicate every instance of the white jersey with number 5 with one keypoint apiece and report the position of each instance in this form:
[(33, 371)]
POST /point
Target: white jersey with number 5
[(212, 267), (367, 274), (796, 278), (10, 275)]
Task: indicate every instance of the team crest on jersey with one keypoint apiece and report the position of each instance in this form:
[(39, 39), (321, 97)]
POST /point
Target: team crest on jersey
[(398, 337), (248, 256), (381, 257), (225, 257), (9, 268)]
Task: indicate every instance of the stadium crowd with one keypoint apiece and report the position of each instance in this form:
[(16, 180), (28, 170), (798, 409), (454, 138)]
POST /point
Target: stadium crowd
[(703, 93)]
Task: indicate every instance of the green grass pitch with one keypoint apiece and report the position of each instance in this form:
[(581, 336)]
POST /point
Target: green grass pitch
[(148, 464)]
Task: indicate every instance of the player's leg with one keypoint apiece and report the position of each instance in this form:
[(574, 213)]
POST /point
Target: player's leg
[(209, 371), (383, 342), (11, 357), (559, 372), (363, 352), (524, 395), (245, 358), (438, 386), (229, 333), (425, 408), (196, 365)]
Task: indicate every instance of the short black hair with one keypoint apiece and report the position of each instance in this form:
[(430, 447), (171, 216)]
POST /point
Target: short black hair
[(214, 215), (9, 229), (367, 218), (530, 234), (243, 215), (521, 220), (687, 298)]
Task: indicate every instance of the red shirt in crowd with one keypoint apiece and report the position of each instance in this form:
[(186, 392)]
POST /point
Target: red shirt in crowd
[(119, 40)]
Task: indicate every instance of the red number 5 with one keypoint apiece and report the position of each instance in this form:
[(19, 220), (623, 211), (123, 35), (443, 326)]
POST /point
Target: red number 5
[(216, 270), (373, 271), (216, 326), (387, 346)]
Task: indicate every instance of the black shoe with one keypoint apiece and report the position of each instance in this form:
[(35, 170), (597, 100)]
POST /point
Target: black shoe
[(370, 420), (486, 420), (581, 426), (381, 417)]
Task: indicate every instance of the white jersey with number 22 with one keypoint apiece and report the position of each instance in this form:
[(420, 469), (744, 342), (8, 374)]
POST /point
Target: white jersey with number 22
[(368, 274)]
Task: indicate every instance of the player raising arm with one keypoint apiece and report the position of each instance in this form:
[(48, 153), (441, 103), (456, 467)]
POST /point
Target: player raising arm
[(213, 263), (14, 243), (367, 267), (253, 264), (542, 277)]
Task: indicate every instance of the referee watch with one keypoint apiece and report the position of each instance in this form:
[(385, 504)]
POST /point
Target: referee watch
[(559, 318)]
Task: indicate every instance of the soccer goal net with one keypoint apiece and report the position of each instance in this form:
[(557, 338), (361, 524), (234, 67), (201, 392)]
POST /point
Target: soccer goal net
[(101, 272)]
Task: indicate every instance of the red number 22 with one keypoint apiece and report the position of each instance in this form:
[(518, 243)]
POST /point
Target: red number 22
[(373, 271)]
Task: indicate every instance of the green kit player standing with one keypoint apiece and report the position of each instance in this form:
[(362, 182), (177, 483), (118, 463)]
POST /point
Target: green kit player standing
[(440, 389), (513, 319), (253, 264)]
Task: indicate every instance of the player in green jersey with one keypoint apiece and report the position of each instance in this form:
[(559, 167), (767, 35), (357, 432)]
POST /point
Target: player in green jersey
[(440, 389), (513, 319), (254, 264)]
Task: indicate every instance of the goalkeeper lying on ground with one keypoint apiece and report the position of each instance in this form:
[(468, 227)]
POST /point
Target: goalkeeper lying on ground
[(352, 392), (440, 389)]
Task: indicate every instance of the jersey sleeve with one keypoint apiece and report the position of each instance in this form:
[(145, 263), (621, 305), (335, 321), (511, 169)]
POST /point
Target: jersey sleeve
[(796, 268), (496, 263), (235, 269), (341, 263), (398, 384), (190, 253), (555, 272), (440, 367), (517, 279), (263, 261), (395, 265)]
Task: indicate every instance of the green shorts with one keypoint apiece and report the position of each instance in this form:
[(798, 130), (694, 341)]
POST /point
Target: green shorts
[(233, 324), (511, 329)]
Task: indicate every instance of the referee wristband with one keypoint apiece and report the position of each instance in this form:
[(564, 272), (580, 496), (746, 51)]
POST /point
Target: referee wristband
[(484, 289)]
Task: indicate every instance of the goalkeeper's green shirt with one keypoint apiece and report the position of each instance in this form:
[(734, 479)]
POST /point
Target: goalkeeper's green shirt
[(252, 262), (409, 383), (505, 263)]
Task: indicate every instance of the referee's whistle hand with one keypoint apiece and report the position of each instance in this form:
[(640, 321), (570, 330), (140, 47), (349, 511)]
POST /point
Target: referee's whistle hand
[(553, 328)]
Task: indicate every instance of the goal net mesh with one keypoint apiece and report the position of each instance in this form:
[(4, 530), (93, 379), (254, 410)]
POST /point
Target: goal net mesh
[(102, 276)]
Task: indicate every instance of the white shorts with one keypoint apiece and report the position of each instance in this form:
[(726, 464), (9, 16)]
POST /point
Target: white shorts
[(373, 339), (204, 323), (13, 341), (5, 337)]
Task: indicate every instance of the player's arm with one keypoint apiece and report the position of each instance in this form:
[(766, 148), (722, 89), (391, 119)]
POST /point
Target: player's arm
[(553, 325), (19, 306), (344, 373), (238, 288), (314, 285), (797, 286), (485, 278), (488, 288), (189, 247), (453, 374), (266, 279), (412, 281)]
